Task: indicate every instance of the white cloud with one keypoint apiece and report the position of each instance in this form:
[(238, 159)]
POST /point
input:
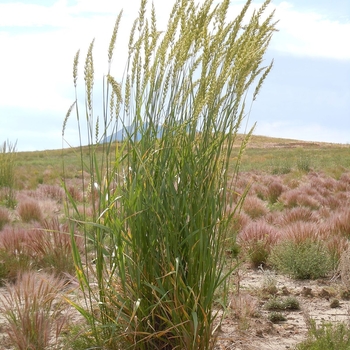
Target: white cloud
[(307, 131), (310, 34)]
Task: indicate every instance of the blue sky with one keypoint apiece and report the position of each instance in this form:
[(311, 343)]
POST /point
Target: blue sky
[(306, 96)]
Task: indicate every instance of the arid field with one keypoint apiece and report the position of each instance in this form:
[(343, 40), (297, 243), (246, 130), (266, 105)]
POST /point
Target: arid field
[(290, 256)]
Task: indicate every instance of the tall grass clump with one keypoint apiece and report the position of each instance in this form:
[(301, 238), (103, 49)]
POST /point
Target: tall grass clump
[(160, 218), (7, 171)]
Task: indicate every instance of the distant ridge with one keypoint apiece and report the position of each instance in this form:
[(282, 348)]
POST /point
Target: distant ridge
[(129, 131)]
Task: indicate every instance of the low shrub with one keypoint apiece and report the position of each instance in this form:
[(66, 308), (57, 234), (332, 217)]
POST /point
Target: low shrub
[(330, 336), (301, 260), (288, 303), (276, 317)]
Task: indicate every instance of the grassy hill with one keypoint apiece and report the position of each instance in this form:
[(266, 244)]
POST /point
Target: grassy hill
[(266, 154)]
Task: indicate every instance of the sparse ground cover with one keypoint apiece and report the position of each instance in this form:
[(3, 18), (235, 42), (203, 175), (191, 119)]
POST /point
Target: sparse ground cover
[(307, 209)]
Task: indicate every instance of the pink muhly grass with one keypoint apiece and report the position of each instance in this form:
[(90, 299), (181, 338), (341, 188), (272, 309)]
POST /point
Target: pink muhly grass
[(14, 254), (301, 232), (75, 193), (344, 182), (239, 221), (259, 190), (274, 190), (299, 197), (336, 245), (34, 311), (295, 214), (29, 210), (14, 240), (51, 191), (257, 240), (52, 247), (339, 222), (254, 207)]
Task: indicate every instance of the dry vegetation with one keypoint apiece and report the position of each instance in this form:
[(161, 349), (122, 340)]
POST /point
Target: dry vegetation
[(292, 242)]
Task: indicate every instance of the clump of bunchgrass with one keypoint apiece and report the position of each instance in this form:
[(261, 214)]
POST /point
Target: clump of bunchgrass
[(257, 239), (51, 191), (254, 207), (244, 307), (29, 210), (4, 217), (51, 247), (269, 283), (160, 220), (34, 311), (14, 255)]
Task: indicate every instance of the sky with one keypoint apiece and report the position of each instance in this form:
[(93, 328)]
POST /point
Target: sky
[(305, 97)]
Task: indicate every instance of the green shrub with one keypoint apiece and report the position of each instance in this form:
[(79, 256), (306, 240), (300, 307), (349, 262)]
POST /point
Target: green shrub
[(161, 201), (276, 317), (287, 303), (306, 259), (330, 336)]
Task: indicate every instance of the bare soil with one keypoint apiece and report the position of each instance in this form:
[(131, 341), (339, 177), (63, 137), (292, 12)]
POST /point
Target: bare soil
[(317, 300), (256, 331)]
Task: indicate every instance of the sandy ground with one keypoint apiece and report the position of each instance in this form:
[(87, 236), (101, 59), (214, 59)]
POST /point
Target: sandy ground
[(255, 331), (316, 300)]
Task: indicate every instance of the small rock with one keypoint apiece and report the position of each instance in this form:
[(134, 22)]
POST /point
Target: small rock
[(285, 290), (307, 292), (324, 294)]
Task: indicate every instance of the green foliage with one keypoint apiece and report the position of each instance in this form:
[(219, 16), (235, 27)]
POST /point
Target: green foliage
[(287, 303), (4, 217), (7, 171), (280, 167), (330, 336), (306, 259), (258, 253), (276, 317), (7, 164), (160, 198), (304, 163)]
